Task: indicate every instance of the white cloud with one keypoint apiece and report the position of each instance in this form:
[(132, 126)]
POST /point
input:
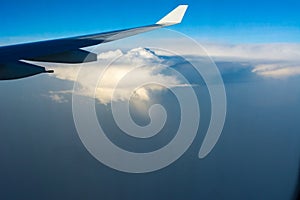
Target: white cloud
[(268, 60), (277, 70), (137, 66), (57, 97), (265, 52), (283, 55)]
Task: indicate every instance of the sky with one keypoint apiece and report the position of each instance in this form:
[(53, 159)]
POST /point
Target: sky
[(230, 21), (252, 45)]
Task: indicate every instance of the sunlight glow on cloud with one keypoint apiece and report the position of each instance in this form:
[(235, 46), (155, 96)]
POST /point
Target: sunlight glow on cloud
[(137, 65)]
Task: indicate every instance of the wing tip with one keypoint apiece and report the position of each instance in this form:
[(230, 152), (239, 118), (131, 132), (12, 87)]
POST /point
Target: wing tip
[(174, 17)]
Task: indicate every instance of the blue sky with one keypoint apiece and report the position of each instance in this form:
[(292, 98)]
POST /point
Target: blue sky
[(230, 21)]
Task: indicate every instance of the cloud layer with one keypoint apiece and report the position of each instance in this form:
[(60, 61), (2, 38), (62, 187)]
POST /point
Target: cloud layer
[(136, 66), (141, 65), (283, 59), (268, 60)]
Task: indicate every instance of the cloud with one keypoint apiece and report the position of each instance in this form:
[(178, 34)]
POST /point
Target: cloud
[(268, 60), (277, 70), (58, 97), (266, 52), (135, 66), (142, 65), (284, 57)]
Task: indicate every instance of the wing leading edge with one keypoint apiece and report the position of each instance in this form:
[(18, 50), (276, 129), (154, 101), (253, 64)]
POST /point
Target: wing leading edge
[(67, 50)]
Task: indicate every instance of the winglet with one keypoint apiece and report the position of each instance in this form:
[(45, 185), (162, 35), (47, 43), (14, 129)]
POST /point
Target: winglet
[(174, 17)]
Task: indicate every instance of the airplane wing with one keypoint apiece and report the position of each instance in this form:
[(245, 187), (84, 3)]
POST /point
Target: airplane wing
[(67, 50)]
